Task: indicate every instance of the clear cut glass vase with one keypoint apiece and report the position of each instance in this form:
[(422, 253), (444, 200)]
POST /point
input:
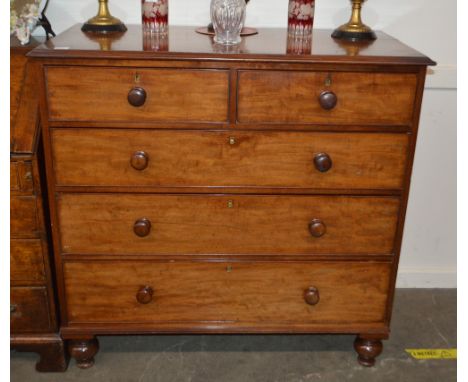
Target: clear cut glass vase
[(228, 18)]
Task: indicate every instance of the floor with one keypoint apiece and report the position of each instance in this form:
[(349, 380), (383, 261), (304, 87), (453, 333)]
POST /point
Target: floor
[(422, 318)]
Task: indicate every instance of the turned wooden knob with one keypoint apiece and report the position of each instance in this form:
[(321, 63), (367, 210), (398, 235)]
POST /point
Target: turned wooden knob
[(311, 296), (317, 228), (142, 227), (139, 160), (328, 100), (145, 295), (137, 96), (322, 162)]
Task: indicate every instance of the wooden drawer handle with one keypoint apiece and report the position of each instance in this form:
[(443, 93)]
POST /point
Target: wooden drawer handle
[(145, 295), (311, 296), (137, 96), (328, 100), (139, 160), (142, 227), (317, 228), (322, 162)]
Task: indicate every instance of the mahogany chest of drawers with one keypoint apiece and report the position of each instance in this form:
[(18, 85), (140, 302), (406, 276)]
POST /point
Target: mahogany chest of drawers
[(198, 190), (33, 315)]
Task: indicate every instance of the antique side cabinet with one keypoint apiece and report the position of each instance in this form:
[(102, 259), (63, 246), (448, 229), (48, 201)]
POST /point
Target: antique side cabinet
[(33, 315), (195, 188)]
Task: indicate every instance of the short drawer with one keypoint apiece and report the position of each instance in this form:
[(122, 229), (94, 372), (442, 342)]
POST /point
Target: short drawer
[(105, 157), (23, 215), (21, 176), (29, 309), (26, 260), (261, 293), (291, 97), (237, 224), (103, 94), (14, 177)]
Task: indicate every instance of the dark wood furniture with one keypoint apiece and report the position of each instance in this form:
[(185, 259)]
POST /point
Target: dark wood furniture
[(195, 190), (33, 315)]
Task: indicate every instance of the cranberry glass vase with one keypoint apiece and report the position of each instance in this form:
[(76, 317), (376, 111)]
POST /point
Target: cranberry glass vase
[(155, 15), (301, 16)]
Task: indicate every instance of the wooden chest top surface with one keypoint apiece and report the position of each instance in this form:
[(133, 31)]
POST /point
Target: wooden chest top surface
[(270, 44)]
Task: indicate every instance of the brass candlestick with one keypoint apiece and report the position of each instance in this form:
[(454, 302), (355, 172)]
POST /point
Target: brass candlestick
[(104, 22), (355, 29)]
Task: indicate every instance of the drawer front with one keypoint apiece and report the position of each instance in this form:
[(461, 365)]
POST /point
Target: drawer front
[(29, 310), (101, 94), (23, 215), (14, 177), (199, 224), (251, 292), (104, 157), (21, 176), (293, 97), (26, 260)]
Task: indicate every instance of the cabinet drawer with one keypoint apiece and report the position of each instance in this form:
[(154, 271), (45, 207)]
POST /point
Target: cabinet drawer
[(14, 177), (237, 224), (101, 94), (23, 215), (29, 310), (21, 176), (293, 97), (261, 293), (26, 260), (104, 157)]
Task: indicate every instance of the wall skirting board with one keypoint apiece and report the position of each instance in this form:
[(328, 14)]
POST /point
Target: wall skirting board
[(427, 278)]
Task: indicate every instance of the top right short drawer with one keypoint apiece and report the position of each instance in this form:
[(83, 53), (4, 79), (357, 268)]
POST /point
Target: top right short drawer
[(326, 98)]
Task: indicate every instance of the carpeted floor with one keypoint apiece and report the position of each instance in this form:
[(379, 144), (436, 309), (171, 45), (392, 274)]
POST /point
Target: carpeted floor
[(422, 318)]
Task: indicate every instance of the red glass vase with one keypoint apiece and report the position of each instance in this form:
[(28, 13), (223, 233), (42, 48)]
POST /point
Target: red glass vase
[(301, 16), (155, 15)]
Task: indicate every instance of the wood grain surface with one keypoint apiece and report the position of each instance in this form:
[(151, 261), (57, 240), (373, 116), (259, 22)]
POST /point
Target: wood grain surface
[(260, 292), (100, 94), (293, 97), (26, 261), (31, 311), (103, 157), (197, 224), (23, 215)]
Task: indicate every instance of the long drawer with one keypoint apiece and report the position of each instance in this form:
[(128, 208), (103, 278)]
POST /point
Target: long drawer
[(29, 310), (106, 157), (290, 97), (255, 292), (78, 94), (236, 224)]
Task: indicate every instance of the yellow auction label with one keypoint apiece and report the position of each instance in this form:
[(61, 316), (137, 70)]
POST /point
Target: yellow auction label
[(433, 353)]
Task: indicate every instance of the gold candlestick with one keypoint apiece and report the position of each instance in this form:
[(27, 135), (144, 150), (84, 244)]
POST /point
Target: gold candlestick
[(104, 22), (355, 29)]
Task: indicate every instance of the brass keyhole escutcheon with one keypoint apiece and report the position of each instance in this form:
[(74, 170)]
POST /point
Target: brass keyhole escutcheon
[(229, 268), (232, 141), (230, 203), (328, 80), (137, 77)]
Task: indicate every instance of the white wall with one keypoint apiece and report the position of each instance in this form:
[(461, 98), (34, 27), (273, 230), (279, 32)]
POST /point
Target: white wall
[(428, 256)]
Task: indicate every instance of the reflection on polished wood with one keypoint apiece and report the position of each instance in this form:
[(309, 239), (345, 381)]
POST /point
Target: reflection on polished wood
[(185, 42)]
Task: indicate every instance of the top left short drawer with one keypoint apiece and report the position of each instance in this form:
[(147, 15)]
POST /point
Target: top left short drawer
[(102, 94)]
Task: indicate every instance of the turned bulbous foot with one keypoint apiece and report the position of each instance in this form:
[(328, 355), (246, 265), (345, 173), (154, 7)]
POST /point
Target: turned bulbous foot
[(84, 351), (368, 350)]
